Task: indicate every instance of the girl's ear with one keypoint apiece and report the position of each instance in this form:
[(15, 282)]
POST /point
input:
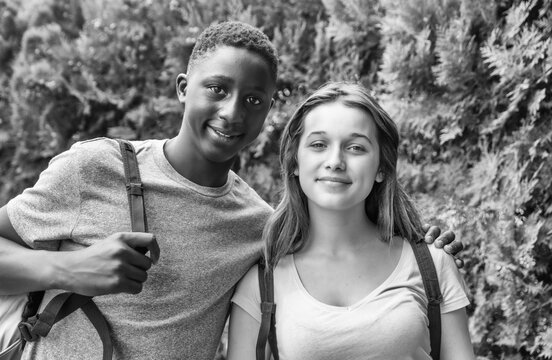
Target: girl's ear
[(296, 172), (379, 177), (181, 84)]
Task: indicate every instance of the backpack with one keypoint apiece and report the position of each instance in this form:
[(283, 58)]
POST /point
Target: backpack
[(17, 329), (267, 331)]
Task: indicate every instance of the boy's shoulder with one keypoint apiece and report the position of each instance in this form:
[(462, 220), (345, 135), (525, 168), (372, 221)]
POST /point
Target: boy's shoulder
[(94, 147), (101, 157), (250, 193), (102, 148)]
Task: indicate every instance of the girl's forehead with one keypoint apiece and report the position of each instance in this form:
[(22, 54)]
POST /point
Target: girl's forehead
[(338, 119)]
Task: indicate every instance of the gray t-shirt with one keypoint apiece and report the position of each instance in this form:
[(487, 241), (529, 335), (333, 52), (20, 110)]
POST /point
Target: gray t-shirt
[(209, 237)]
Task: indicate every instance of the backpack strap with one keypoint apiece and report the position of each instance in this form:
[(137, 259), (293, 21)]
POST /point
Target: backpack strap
[(433, 293), (430, 280), (135, 189), (33, 327), (267, 330), (57, 309)]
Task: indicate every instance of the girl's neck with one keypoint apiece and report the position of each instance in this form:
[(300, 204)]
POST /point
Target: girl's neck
[(340, 232)]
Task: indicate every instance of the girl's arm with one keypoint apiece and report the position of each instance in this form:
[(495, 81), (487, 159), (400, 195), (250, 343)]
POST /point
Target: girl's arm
[(242, 335), (455, 337)]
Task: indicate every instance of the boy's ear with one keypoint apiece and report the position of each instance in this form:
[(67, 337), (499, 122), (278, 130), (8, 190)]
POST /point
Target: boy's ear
[(181, 84)]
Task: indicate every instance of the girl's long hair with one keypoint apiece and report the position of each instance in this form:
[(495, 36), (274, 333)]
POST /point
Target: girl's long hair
[(387, 205)]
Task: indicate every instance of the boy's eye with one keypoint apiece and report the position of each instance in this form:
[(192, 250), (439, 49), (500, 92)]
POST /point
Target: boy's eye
[(254, 100), (216, 89)]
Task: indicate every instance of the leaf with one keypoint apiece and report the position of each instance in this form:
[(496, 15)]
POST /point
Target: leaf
[(121, 132), (535, 102)]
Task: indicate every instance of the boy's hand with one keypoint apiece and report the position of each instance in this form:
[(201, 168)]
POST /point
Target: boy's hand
[(114, 265), (445, 241)]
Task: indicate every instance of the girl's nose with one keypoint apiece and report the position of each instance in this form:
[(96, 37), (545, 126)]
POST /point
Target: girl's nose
[(335, 160)]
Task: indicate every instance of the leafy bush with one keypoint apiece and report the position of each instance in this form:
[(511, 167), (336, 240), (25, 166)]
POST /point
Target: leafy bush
[(467, 81)]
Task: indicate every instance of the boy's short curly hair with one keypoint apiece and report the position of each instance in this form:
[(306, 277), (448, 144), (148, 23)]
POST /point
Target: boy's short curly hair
[(236, 34)]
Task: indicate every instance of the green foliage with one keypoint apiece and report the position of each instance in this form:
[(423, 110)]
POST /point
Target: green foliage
[(467, 81), (469, 85)]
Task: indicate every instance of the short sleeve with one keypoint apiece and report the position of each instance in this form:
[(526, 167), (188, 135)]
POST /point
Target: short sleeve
[(451, 282), (47, 212), (248, 295)]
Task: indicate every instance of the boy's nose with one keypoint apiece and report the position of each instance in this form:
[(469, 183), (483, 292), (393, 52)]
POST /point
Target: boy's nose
[(232, 110)]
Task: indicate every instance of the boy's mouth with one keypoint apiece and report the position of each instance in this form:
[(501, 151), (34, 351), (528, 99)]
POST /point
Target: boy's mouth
[(227, 136)]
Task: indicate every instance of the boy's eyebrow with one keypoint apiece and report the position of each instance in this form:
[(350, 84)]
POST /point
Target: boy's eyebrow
[(218, 77), (352, 135), (228, 79)]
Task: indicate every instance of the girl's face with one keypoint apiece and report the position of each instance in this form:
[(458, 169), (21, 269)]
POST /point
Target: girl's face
[(338, 157)]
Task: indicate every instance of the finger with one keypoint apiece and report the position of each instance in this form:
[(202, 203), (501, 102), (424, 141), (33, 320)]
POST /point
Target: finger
[(425, 227), (138, 240), (447, 237), (459, 263), (133, 287), (135, 273), (138, 260), (454, 248), (432, 234)]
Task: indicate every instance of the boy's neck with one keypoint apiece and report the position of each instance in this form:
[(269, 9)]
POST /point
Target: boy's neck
[(197, 170)]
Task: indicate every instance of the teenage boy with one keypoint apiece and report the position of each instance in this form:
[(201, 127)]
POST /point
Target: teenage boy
[(206, 219)]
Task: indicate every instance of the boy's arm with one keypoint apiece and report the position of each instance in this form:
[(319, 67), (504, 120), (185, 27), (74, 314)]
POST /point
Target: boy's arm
[(444, 241), (107, 267)]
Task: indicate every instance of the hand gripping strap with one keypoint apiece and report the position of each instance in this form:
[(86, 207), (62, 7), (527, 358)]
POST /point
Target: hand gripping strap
[(66, 303), (433, 293), (267, 330)]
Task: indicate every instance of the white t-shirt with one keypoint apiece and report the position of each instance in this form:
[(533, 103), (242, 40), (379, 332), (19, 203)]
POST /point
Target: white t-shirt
[(389, 323)]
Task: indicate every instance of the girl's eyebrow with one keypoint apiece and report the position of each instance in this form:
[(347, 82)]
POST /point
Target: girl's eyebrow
[(358, 135), (352, 135)]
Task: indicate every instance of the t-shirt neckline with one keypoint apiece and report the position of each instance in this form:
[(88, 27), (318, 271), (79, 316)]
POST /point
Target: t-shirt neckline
[(358, 303), (174, 175)]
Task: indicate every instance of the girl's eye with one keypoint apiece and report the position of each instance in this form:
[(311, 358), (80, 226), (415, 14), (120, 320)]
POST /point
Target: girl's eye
[(254, 100), (318, 145), (356, 148)]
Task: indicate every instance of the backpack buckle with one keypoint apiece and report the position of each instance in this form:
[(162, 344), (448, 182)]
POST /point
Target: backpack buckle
[(135, 189), (26, 331)]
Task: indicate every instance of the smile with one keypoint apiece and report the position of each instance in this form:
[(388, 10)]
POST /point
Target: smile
[(224, 136), (334, 179)]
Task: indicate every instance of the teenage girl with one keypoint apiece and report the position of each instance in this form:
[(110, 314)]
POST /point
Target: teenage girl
[(346, 282)]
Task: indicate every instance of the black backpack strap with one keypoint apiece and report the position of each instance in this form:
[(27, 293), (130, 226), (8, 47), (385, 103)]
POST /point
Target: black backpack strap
[(57, 309), (433, 293), (267, 330), (135, 189)]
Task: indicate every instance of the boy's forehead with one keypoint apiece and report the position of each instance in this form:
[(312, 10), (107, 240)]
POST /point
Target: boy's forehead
[(230, 63)]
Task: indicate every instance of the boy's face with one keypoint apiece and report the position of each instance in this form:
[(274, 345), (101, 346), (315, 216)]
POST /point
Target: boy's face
[(227, 96)]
